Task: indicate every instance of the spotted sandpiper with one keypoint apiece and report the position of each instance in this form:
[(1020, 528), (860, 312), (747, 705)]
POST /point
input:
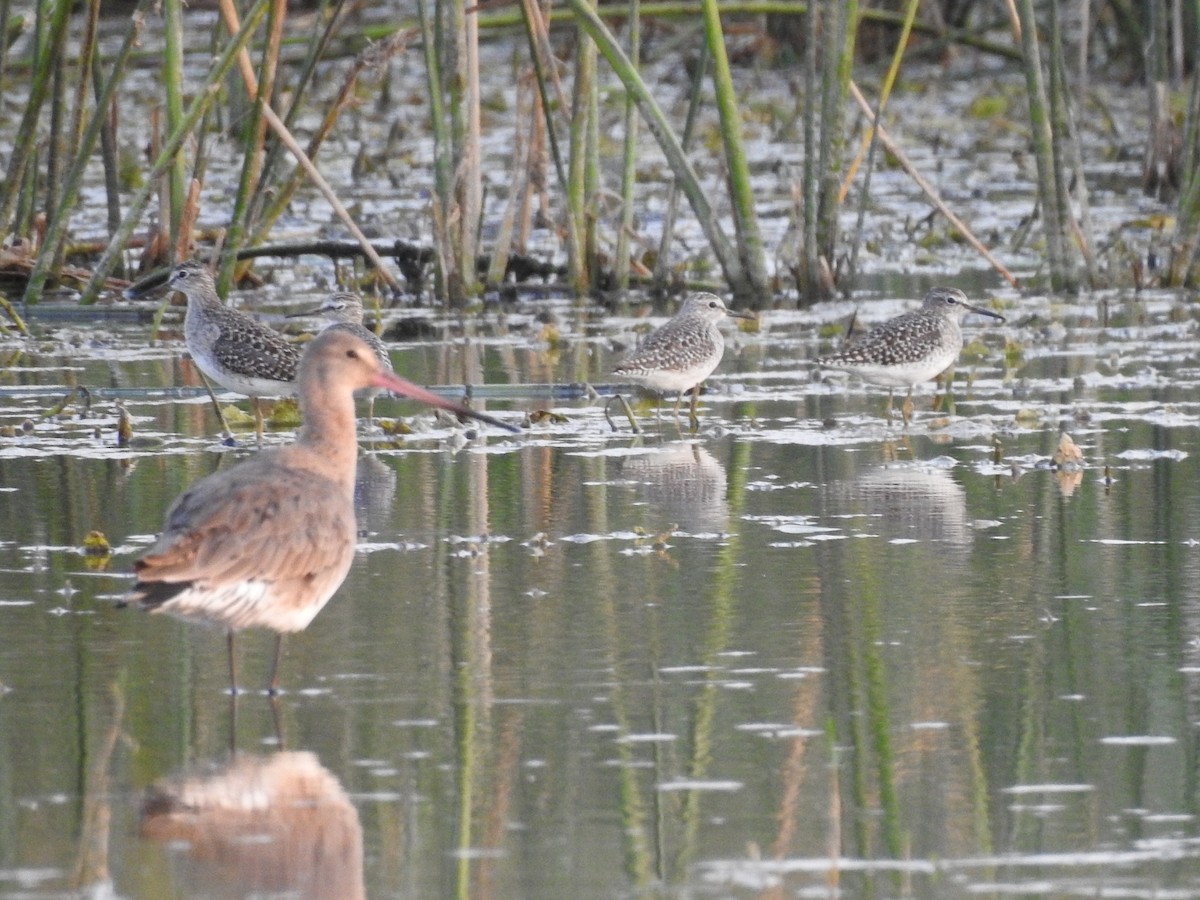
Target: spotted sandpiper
[(679, 355), (909, 349)]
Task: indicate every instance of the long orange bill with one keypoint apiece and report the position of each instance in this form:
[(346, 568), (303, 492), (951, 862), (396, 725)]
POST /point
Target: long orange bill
[(406, 388)]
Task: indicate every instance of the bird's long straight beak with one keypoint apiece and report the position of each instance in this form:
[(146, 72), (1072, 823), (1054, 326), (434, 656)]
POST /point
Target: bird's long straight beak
[(985, 312), (742, 313), (147, 285), (304, 312), (405, 388)]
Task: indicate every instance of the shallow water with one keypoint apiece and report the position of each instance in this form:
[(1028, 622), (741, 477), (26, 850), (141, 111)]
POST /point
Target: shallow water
[(800, 653)]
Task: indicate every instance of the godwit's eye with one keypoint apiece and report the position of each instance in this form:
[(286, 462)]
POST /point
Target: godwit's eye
[(713, 304)]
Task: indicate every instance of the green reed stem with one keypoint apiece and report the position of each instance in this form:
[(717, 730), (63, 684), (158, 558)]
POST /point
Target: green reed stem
[(1186, 240), (468, 132), (629, 159), (1069, 154), (23, 217), (442, 169), (87, 52), (317, 47), (745, 220), (108, 137), (662, 267), (1062, 275), (175, 139), (173, 85), (54, 140), (56, 229), (685, 174), (811, 255), (6, 26), (584, 88), (25, 141), (254, 132), (885, 92), (591, 183), (840, 20)]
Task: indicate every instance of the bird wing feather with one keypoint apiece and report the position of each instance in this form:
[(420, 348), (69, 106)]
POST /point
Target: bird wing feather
[(259, 350), (887, 344), (291, 525), (682, 344)]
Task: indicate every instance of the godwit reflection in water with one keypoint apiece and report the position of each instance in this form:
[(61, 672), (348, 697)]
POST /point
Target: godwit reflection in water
[(684, 483), (277, 825)]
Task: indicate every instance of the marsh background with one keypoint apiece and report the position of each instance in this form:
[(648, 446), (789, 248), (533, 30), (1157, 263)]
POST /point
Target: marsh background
[(800, 652)]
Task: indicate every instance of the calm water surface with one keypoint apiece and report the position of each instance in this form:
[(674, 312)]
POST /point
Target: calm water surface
[(786, 657)]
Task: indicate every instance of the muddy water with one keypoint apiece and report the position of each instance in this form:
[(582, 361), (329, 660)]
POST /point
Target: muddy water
[(802, 651)]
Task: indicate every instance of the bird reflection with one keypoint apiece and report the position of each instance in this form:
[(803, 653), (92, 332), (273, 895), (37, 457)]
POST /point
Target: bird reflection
[(907, 502), (258, 826), (374, 494), (684, 482)]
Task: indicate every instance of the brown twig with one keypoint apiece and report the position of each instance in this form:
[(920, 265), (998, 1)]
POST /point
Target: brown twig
[(929, 189)]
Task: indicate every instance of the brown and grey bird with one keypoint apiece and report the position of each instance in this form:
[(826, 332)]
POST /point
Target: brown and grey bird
[(909, 349), (344, 312), (267, 542), (231, 348), (678, 356)]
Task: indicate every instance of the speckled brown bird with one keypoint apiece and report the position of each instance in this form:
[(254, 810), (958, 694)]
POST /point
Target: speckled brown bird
[(679, 355), (231, 348), (909, 349)]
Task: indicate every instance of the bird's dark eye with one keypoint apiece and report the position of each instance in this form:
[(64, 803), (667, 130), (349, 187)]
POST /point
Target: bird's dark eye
[(713, 304), (351, 354)]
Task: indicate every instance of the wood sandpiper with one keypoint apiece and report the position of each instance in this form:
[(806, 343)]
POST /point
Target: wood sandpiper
[(679, 355), (909, 349)]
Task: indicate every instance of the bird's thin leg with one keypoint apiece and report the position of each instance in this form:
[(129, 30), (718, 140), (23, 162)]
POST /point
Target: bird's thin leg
[(274, 685), (889, 405), (945, 401), (233, 688), (226, 434), (607, 416), (633, 425), (258, 421), (906, 410), (233, 718), (629, 414), (371, 414), (693, 418), (277, 720)]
